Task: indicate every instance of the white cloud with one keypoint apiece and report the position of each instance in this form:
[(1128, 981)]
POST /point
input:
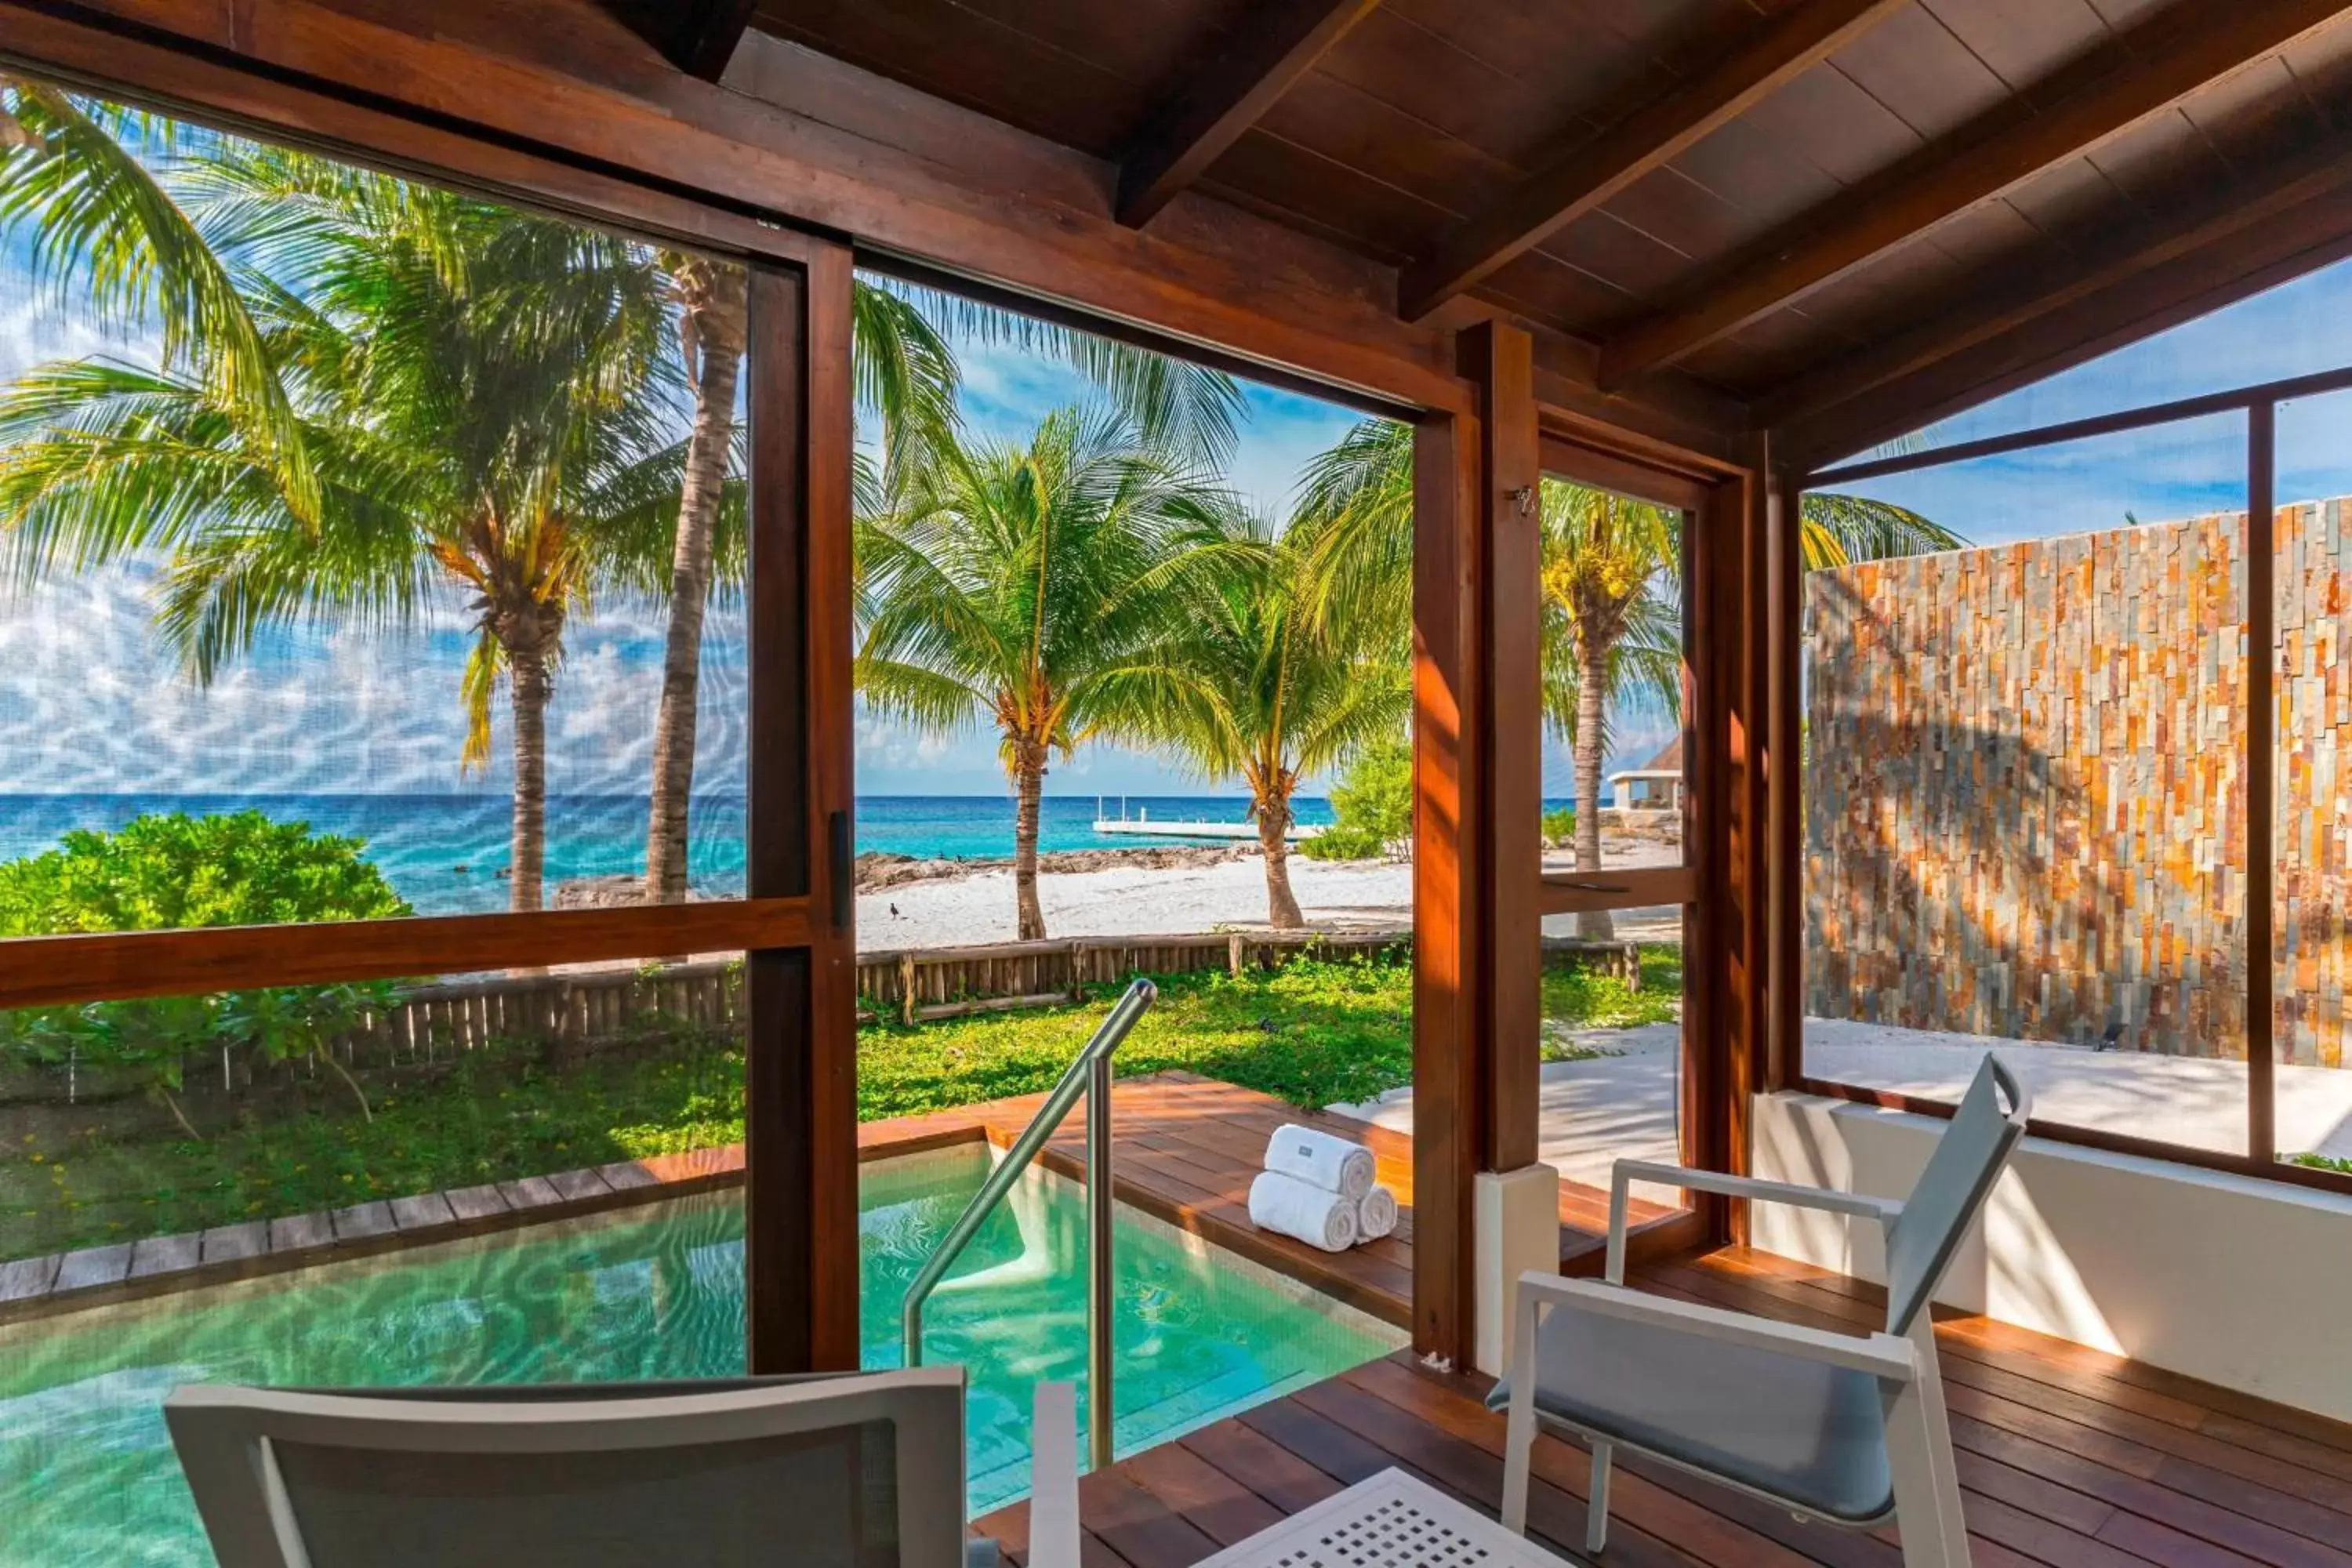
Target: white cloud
[(33, 332)]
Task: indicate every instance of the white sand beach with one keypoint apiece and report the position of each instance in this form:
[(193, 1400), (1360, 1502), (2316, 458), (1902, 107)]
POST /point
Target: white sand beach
[(1138, 901)]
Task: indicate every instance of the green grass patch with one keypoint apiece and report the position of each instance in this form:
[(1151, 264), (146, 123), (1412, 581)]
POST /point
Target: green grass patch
[(1589, 999), (1315, 1032), (2322, 1163)]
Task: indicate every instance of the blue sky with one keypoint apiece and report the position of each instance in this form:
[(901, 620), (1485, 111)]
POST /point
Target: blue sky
[(1006, 393), (2168, 471)]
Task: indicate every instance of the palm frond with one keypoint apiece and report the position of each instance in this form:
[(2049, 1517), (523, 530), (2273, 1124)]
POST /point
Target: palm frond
[(1189, 409), (1841, 529), (96, 225)]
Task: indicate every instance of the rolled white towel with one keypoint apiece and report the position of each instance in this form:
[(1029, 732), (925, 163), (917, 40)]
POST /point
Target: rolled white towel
[(1295, 1208), (1376, 1213), (1320, 1160)]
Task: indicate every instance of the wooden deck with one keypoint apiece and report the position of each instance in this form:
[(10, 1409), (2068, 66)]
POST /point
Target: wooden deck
[(1187, 1148), (2069, 1458)]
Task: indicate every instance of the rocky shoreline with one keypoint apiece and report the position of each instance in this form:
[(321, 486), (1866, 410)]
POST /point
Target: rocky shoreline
[(878, 871)]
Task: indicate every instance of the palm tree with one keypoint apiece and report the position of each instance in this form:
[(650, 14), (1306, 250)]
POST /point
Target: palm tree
[(1363, 484), (480, 392), (1612, 633), (76, 181), (1030, 586), (1263, 688), (713, 300), (907, 378)]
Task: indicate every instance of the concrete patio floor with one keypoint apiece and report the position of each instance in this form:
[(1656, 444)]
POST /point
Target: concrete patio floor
[(1597, 1111)]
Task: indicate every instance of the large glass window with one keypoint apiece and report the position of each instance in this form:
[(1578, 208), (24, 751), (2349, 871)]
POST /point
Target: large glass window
[(371, 551), (343, 555), (2024, 784), (1616, 799), (2311, 919)]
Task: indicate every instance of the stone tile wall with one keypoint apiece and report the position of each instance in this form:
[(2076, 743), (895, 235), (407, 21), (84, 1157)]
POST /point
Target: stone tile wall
[(2025, 800)]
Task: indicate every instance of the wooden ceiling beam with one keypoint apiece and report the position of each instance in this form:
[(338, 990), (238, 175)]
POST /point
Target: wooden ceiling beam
[(1225, 95), (2015, 304), (2313, 232), (2103, 94), (697, 37), (1593, 172)]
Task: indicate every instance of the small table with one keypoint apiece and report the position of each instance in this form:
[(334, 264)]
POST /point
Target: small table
[(1391, 1521)]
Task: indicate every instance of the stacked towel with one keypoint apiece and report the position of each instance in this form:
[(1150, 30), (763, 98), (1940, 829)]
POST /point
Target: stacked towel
[(1282, 1203), (1322, 1190), (1320, 1160)]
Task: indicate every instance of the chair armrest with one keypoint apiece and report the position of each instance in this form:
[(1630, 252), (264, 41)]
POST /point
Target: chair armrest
[(1627, 1172), (1054, 1478), (1890, 1356)]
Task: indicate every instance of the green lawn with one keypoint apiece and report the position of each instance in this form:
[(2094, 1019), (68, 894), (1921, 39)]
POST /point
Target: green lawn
[(1578, 998), (1314, 1033)]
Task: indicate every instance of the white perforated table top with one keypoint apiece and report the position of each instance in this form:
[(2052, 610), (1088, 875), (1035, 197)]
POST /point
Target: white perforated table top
[(1391, 1521)]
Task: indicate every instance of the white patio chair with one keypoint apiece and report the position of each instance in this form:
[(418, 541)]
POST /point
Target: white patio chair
[(853, 1470), (1846, 1431)]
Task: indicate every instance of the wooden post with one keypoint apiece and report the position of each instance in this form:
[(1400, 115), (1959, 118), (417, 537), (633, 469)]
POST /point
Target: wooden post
[(1448, 814), (1510, 738), (1783, 809), (1746, 1064), (800, 1093), (1713, 1110), (906, 987), (2262, 762)]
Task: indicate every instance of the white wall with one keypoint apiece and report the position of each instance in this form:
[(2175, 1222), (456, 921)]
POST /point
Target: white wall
[(2240, 1282)]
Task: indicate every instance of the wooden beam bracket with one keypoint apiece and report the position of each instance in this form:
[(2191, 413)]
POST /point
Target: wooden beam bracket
[(2090, 102), (1652, 135), (697, 37), (1226, 96)]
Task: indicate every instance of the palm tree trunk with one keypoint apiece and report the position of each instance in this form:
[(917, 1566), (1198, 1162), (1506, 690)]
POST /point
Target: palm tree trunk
[(1282, 911), (1591, 691), (1029, 782), (527, 667), (720, 360)]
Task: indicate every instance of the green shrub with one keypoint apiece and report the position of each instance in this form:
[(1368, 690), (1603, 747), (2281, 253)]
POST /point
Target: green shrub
[(170, 871), (1560, 826), (1373, 803)]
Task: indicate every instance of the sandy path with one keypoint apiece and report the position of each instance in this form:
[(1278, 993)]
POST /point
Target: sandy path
[(1135, 900)]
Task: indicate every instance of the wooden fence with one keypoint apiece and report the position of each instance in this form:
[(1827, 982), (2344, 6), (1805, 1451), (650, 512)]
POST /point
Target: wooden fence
[(439, 1022), (944, 982), (912, 985)]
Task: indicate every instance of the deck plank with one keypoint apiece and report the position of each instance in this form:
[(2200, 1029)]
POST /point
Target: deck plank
[(2068, 1458), (1190, 1146)]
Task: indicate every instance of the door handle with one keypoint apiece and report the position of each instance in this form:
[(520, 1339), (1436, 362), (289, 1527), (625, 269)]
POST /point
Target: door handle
[(844, 873)]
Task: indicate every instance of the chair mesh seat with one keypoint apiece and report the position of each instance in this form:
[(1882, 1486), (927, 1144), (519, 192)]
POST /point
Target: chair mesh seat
[(1809, 1434)]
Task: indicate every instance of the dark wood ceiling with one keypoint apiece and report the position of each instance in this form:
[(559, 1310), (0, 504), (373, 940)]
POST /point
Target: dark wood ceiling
[(1776, 197)]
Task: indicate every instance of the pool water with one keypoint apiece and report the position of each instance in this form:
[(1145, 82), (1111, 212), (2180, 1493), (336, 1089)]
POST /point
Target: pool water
[(88, 1476)]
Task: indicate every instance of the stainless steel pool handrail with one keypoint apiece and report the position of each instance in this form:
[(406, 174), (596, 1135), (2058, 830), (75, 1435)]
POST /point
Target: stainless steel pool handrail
[(1088, 1074)]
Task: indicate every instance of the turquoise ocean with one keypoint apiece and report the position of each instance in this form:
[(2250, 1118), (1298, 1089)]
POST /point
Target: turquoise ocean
[(444, 853)]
